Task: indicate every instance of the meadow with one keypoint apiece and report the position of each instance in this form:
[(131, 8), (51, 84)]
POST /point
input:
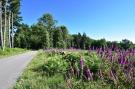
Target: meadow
[(101, 68)]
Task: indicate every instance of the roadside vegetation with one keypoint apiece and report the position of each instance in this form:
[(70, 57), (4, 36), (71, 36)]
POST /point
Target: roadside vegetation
[(11, 51), (77, 69)]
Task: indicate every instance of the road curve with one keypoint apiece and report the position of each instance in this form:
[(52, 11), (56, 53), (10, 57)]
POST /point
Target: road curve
[(12, 67)]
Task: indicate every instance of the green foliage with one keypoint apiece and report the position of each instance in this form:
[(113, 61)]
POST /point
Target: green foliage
[(126, 44), (53, 70), (45, 39), (30, 38), (72, 57), (11, 51), (52, 66), (36, 77), (58, 41), (15, 8), (22, 36), (93, 61), (48, 22)]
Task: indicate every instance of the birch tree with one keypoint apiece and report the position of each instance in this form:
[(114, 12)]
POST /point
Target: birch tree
[(9, 29), (5, 26), (9, 20), (1, 31)]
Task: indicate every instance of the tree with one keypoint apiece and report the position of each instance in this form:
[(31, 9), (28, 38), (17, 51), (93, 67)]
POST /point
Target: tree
[(45, 38), (14, 7), (9, 18), (99, 43), (46, 43), (126, 44), (39, 37), (57, 38), (70, 42), (5, 26), (83, 41), (47, 21), (15, 10), (1, 26), (77, 38), (22, 36), (64, 34)]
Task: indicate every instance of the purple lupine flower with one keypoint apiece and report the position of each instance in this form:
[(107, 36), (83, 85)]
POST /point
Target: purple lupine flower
[(119, 59), (81, 63), (122, 60), (89, 74)]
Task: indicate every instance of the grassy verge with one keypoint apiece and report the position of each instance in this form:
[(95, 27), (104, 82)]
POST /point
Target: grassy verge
[(33, 78), (46, 71), (11, 51), (76, 70)]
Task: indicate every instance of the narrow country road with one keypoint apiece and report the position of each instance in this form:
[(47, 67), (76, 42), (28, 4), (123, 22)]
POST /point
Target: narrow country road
[(12, 67)]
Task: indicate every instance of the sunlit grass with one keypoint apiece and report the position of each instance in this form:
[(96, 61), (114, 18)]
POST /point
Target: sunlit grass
[(37, 80), (11, 51)]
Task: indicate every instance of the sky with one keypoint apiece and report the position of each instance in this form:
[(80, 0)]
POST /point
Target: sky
[(113, 20)]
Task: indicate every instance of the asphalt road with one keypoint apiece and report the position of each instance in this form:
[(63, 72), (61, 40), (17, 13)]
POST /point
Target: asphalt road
[(12, 67)]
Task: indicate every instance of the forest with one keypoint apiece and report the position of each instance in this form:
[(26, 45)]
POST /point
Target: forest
[(45, 33), (53, 36)]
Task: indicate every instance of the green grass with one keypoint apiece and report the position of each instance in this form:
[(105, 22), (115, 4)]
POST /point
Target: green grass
[(34, 79), (37, 75), (11, 51)]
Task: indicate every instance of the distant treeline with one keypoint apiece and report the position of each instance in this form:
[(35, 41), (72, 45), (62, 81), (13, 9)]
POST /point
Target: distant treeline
[(46, 34)]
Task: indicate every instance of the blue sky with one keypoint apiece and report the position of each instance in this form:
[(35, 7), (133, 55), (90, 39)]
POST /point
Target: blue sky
[(109, 19)]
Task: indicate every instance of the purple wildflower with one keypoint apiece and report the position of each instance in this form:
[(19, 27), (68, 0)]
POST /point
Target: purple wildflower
[(88, 74), (81, 63)]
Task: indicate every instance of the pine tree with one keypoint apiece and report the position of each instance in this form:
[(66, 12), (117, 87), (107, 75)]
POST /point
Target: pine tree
[(45, 39), (58, 39), (64, 34), (83, 41)]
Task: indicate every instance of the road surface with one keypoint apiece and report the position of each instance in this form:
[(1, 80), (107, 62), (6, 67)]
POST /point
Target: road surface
[(12, 67)]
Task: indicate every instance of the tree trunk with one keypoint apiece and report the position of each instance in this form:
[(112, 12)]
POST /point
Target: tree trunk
[(12, 31), (9, 30), (1, 31), (5, 28)]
